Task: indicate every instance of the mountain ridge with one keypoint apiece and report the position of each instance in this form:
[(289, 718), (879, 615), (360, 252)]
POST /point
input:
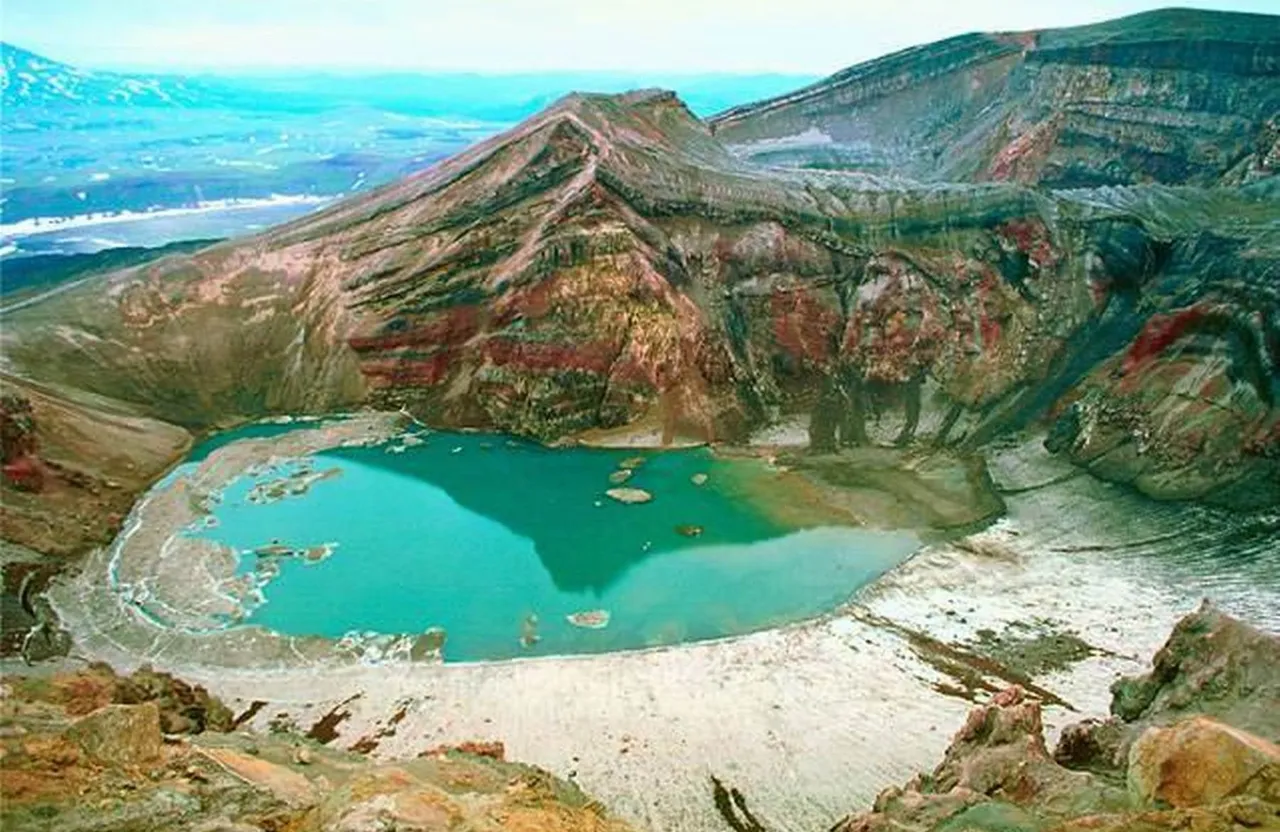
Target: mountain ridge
[(1120, 102), (609, 263)]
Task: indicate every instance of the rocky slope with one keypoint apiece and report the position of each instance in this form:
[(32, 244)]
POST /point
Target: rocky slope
[(73, 462), (1176, 96), (94, 752), (610, 263), (1190, 746)]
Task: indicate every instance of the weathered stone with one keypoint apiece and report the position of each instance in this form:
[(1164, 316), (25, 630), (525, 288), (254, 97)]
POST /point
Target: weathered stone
[(1213, 665), (1200, 774), (120, 734), (1201, 761), (1097, 745), (286, 785)]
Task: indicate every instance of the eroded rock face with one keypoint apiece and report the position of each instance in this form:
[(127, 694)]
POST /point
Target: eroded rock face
[(610, 262), (614, 261), (1174, 96)]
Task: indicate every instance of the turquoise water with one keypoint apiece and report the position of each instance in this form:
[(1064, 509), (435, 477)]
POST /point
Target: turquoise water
[(479, 534)]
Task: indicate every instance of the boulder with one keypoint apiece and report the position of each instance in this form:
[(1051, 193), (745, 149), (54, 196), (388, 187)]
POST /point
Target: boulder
[(120, 734), (1214, 665), (1097, 745), (1201, 761)]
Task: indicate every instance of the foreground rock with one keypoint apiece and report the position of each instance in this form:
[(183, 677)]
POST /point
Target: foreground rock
[(114, 769), (1157, 767), (1201, 761), (1213, 665)]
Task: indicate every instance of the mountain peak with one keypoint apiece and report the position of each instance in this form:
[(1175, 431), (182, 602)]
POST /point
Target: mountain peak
[(28, 79)]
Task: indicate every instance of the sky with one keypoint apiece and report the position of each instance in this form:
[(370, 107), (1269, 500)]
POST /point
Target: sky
[(673, 36)]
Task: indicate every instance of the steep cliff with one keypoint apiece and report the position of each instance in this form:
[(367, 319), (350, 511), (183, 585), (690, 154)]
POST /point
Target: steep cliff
[(1176, 96)]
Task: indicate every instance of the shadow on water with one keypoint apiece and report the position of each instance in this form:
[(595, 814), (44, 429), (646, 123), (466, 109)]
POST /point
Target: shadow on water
[(555, 497)]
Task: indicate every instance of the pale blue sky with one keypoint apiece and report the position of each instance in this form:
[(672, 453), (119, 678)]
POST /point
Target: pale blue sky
[(815, 36)]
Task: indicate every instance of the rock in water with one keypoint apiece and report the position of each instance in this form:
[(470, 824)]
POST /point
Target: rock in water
[(589, 619), (620, 476), (630, 496), (698, 479), (689, 530)]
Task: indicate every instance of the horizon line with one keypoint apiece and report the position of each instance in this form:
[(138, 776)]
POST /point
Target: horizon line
[(352, 70)]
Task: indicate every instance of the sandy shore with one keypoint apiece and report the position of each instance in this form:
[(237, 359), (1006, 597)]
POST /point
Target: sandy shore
[(809, 721)]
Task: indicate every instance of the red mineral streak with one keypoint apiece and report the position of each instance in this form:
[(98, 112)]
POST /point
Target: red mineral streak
[(25, 473), (1159, 334), (404, 371), (592, 357), (803, 326), (453, 327)]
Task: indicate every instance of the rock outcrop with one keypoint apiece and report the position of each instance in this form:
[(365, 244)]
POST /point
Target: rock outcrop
[(114, 768), (1200, 761), (1212, 665), (1176, 96), (1162, 764)]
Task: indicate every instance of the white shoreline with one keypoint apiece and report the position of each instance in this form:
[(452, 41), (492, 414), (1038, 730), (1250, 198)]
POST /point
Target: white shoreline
[(43, 225)]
